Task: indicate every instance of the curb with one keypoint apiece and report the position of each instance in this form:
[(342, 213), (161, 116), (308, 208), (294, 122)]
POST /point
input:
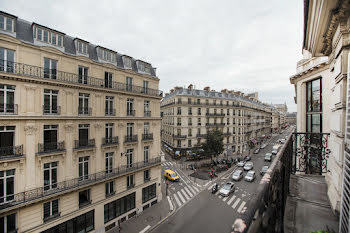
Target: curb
[(163, 219)]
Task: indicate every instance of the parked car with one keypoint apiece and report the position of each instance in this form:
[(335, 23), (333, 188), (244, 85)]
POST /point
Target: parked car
[(228, 188), (262, 146), (250, 176), (283, 141), (241, 163), (264, 170), (215, 188), (268, 157), (247, 158), (237, 175), (248, 166), (256, 151)]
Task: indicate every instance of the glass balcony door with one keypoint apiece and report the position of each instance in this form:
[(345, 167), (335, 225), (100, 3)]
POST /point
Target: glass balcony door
[(7, 140), (50, 137), (7, 99)]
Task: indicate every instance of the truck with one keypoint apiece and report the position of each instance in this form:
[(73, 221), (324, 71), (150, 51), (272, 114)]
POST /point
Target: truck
[(275, 149)]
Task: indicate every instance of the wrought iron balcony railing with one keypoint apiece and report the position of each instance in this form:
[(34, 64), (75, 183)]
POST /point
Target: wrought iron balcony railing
[(110, 112), (68, 185), (8, 109), (201, 135), (51, 110), (130, 138), (179, 136), (130, 112), (215, 114), (51, 147), (69, 78), (83, 143), (110, 141), (147, 137), (10, 152), (215, 124), (84, 111), (147, 113)]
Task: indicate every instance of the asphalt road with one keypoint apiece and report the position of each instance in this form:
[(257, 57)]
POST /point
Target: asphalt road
[(198, 210)]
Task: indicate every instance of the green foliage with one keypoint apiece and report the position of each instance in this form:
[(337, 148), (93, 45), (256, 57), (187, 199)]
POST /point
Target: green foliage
[(214, 144), (319, 232)]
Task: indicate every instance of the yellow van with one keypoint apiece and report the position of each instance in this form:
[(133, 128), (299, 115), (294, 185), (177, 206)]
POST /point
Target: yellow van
[(171, 175)]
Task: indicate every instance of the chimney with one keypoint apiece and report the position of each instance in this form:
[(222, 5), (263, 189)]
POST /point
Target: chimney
[(224, 91), (166, 94), (172, 91), (207, 88), (190, 86), (178, 88)]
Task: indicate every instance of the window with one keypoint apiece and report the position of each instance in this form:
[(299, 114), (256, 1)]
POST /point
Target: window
[(189, 110), (179, 101), (128, 83), (130, 181), (50, 68), (127, 62), (8, 223), (84, 198), (118, 207), (83, 135), (145, 86), (7, 99), (189, 101), (6, 23), (50, 137), (7, 136), (83, 168), (50, 175), (82, 47), (146, 154), (109, 162), (146, 129), (146, 175), (199, 121), (148, 193), (130, 107), (143, 67), (7, 59), (7, 185), (83, 108), (106, 55), (129, 157), (314, 106), (51, 209), (83, 74), (190, 143), (49, 37), (189, 132), (108, 80), (109, 132), (179, 143), (50, 101), (109, 110), (109, 188), (199, 112), (189, 121), (146, 108), (228, 112), (179, 121), (129, 129), (178, 110)]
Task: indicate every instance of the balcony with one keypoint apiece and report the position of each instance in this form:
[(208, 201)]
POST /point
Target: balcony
[(8, 109), (130, 112), (84, 111), (51, 110), (227, 134), (147, 137), (201, 135), (110, 141), (179, 136), (130, 139), (215, 114), (66, 186), (110, 112), (52, 147), (215, 124), (84, 144), (11, 152), (36, 72), (147, 113)]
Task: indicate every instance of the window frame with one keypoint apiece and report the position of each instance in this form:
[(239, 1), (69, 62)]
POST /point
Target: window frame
[(310, 112)]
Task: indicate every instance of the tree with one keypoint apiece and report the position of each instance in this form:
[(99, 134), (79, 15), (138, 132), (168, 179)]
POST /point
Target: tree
[(214, 145)]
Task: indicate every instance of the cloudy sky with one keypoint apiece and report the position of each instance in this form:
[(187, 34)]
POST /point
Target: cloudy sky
[(241, 45)]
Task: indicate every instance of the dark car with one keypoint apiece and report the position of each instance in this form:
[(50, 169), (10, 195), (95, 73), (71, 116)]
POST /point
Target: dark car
[(264, 170), (256, 151)]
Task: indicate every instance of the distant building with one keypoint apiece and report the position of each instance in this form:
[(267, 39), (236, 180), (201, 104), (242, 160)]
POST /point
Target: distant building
[(291, 118)]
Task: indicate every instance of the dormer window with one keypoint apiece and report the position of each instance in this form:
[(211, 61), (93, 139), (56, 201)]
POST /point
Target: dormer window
[(127, 62), (82, 47), (106, 55), (47, 36), (7, 23), (144, 67)]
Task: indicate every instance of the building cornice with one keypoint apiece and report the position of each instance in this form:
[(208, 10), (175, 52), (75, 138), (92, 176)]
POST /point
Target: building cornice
[(306, 72)]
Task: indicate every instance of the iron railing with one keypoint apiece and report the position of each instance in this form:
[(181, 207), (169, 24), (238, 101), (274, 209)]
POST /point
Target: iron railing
[(8, 109), (215, 114), (110, 112), (84, 111), (215, 124), (110, 141), (51, 147), (10, 152), (147, 113), (130, 138), (67, 185), (130, 112), (179, 136), (147, 137), (83, 143), (51, 110), (56, 75)]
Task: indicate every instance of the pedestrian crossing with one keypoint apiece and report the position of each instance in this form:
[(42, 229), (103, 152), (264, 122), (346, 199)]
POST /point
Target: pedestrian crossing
[(168, 163), (183, 195)]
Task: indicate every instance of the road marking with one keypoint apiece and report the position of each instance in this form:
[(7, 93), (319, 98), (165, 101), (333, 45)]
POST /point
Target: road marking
[(232, 198), (225, 198), (188, 191), (181, 197), (241, 207), (171, 204), (196, 189), (216, 193), (194, 192), (210, 187), (177, 200), (236, 203), (220, 196), (146, 228), (185, 194), (171, 163), (181, 178)]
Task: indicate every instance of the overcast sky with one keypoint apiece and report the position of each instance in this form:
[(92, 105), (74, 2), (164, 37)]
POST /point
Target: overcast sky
[(240, 45)]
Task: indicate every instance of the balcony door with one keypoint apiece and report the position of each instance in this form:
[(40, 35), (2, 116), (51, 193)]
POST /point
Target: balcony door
[(7, 98), (83, 135), (50, 137), (7, 134)]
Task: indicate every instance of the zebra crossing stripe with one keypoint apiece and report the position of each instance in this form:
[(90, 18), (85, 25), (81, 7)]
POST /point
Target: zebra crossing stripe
[(171, 163), (220, 196), (217, 193), (181, 197), (177, 200), (188, 191), (236, 203), (196, 189), (225, 198), (210, 187), (232, 198), (241, 207), (194, 192), (185, 194)]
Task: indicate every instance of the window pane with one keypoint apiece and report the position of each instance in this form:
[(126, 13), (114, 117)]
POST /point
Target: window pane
[(2, 22), (9, 24)]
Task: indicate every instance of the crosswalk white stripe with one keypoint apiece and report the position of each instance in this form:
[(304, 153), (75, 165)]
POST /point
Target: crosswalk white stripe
[(185, 194), (220, 196), (210, 187), (196, 189), (217, 193), (171, 163), (232, 198), (225, 198), (177, 200), (188, 191), (194, 192), (241, 207), (166, 163), (236, 203), (181, 197)]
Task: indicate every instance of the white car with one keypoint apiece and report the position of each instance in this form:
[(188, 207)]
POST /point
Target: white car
[(228, 188), (268, 157), (240, 163), (262, 146), (250, 176), (237, 175), (248, 166), (283, 141)]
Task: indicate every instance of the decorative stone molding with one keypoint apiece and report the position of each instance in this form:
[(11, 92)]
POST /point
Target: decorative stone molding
[(68, 92), (98, 126), (121, 125), (30, 129), (30, 87), (139, 124), (98, 95), (69, 128), (154, 123)]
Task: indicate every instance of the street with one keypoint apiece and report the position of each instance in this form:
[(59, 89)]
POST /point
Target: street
[(198, 210)]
